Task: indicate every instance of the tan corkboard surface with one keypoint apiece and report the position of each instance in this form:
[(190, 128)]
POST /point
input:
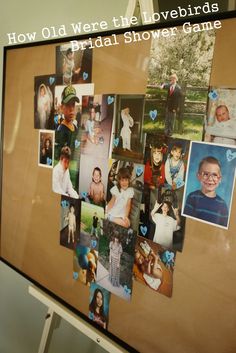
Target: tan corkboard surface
[(201, 315)]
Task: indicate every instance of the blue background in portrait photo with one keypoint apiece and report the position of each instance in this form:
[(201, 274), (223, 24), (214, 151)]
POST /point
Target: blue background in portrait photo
[(106, 296), (202, 150)]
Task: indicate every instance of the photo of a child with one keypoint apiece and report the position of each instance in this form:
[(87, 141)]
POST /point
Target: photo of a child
[(154, 174), (61, 181), (90, 128), (94, 228), (96, 188), (128, 137), (68, 66), (43, 101), (73, 66), (70, 222), (125, 132), (115, 253), (174, 167), (167, 221), (92, 180), (90, 224), (115, 259), (208, 194), (164, 180), (96, 123), (46, 141), (118, 208), (154, 266)]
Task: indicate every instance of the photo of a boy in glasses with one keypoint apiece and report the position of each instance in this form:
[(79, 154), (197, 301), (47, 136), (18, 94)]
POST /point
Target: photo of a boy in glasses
[(205, 203)]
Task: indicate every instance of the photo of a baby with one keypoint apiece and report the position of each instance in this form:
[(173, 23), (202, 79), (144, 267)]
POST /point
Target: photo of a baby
[(220, 125)]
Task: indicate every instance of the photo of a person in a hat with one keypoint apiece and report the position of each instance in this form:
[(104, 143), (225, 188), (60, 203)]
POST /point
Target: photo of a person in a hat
[(68, 129), (68, 132)]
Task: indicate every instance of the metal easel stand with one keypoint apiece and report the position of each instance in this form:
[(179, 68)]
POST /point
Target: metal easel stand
[(231, 5), (56, 312), (137, 7)]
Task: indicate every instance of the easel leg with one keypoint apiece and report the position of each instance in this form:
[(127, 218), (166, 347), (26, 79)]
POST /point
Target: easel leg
[(52, 321)]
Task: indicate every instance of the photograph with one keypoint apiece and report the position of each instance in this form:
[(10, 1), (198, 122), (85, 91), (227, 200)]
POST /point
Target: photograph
[(115, 259), (70, 222), (128, 137), (178, 79), (73, 66), (154, 266), (86, 251), (68, 105), (210, 183), (45, 150), (164, 181), (124, 193), (67, 139), (93, 180), (99, 300), (96, 124), (85, 264), (220, 124), (91, 224), (43, 101), (65, 174)]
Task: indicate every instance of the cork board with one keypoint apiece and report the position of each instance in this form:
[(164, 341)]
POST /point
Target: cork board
[(201, 315)]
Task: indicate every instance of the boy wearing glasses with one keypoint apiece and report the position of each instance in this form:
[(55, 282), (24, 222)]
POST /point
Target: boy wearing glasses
[(205, 204)]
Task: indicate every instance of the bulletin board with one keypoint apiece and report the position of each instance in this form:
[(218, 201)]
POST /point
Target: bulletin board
[(201, 314)]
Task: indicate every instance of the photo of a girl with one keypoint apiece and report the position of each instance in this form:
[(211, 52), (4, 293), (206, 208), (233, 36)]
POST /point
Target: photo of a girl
[(115, 259), (99, 305), (116, 250), (118, 208), (167, 220), (46, 141)]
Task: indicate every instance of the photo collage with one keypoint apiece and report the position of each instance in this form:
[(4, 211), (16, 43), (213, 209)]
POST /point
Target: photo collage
[(130, 168)]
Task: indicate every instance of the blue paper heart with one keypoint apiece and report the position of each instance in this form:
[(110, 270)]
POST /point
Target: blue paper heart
[(168, 258), (64, 204), (49, 161), (213, 95), (143, 230), (110, 100), (84, 194), (139, 170), (77, 143), (127, 290), (56, 119), (51, 80), (91, 315), (179, 182), (85, 76), (94, 243), (153, 114), (116, 142), (230, 155), (75, 275)]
